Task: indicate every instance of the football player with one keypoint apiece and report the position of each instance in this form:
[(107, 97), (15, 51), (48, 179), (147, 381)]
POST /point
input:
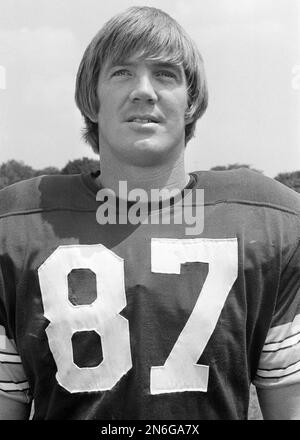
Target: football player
[(138, 316)]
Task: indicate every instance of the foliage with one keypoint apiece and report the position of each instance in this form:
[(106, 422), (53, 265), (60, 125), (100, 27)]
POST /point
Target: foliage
[(234, 166), (47, 170), (290, 179), (13, 171), (77, 166), (254, 412)]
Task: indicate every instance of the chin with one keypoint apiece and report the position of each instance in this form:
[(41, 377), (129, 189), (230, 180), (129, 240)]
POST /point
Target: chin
[(148, 154), (153, 146)]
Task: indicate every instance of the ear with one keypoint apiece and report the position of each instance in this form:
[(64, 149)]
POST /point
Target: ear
[(92, 108), (187, 118), (93, 117)]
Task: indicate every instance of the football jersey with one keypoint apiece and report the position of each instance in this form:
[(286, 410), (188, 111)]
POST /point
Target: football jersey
[(147, 321)]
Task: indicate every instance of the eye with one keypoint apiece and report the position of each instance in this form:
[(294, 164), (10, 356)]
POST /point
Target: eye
[(121, 72), (166, 74)]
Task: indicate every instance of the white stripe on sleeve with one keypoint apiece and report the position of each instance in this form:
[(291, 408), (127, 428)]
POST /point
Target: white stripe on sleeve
[(280, 358), (13, 381)]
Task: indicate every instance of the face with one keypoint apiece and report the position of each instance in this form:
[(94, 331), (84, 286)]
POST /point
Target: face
[(142, 106)]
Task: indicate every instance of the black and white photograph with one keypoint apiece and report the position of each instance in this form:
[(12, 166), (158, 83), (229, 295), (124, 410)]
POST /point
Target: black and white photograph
[(149, 212)]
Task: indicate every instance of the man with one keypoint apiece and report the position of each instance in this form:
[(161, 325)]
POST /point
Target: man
[(105, 318)]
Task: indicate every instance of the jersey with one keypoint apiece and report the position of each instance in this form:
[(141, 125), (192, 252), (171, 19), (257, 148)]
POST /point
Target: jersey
[(144, 321)]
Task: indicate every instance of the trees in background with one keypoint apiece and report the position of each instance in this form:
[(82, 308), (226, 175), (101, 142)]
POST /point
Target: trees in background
[(13, 171), (234, 166), (77, 166), (290, 179)]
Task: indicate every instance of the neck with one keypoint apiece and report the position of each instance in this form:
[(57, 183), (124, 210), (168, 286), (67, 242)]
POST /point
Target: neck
[(170, 175)]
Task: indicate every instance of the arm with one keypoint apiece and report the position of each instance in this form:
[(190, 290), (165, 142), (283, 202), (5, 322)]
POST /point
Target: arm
[(281, 403), (11, 409)]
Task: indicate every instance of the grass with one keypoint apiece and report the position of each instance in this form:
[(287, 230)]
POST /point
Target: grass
[(254, 412)]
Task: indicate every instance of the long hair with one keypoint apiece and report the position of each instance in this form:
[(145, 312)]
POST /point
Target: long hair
[(150, 34)]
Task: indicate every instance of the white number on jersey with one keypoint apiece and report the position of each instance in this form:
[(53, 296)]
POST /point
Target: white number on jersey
[(101, 316), (180, 371)]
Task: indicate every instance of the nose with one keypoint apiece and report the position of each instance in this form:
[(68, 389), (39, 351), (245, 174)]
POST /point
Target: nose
[(143, 90)]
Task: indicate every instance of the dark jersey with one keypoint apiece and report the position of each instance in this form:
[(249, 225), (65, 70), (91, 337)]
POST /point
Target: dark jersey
[(148, 320)]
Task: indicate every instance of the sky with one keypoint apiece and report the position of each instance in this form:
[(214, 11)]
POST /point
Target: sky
[(251, 50)]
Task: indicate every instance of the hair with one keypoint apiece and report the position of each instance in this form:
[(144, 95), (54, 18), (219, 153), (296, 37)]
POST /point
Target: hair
[(150, 34)]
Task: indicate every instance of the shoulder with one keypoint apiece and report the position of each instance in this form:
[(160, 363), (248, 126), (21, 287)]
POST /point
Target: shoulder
[(42, 192), (246, 186), (19, 196)]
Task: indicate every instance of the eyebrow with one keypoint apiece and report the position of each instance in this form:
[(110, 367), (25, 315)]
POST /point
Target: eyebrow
[(167, 64)]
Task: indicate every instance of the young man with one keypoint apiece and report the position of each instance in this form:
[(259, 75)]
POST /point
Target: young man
[(107, 318)]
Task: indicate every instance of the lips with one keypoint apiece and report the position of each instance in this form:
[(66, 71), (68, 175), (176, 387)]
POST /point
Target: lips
[(143, 119)]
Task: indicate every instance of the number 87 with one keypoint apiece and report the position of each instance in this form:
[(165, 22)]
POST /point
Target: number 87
[(180, 371)]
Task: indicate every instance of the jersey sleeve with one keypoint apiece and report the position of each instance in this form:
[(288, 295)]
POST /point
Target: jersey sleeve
[(279, 363), (13, 382)]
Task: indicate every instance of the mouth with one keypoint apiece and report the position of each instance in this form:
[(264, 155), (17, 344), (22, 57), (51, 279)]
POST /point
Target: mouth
[(143, 119)]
